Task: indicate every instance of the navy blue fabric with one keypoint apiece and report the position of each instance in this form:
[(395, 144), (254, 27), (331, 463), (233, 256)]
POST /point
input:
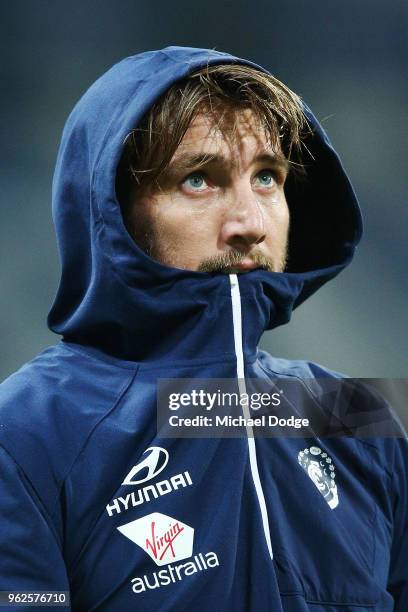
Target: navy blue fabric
[(76, 419)]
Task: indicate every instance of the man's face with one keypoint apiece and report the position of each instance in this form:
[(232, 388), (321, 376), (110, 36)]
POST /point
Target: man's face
[(220, 206)]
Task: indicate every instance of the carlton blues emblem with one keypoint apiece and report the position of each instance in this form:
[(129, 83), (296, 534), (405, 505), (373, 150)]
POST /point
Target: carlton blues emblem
[(320, 469)]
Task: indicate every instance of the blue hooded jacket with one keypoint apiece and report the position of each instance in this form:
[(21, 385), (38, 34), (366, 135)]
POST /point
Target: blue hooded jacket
[(94, 500)]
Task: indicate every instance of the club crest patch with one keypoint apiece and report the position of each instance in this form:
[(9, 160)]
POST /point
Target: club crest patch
[(320, 469)]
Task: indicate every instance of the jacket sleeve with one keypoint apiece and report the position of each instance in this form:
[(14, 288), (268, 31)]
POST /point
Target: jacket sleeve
[(398, 574), (30, 553)]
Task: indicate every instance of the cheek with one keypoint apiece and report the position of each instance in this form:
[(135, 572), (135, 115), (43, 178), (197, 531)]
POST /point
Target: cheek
[(179, 219), (278, 221), (286, 220)]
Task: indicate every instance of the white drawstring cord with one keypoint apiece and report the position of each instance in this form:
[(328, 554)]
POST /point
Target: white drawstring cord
[(237, 324)]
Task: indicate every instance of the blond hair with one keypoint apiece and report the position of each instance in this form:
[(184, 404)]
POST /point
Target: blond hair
[(216, 90)]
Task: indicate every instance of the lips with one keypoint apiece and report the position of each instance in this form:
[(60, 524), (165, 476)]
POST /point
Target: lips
[(245, 265)]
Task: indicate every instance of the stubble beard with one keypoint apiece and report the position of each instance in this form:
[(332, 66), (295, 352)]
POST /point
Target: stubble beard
[(224, 262), (221, 264)]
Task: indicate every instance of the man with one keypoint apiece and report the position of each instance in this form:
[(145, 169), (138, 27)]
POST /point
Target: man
[(235, 209)]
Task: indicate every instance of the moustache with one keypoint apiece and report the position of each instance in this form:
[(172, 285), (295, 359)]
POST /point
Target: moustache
[(223, 262)]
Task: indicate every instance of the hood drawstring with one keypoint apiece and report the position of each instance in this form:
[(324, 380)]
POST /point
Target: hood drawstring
[(237, 324)]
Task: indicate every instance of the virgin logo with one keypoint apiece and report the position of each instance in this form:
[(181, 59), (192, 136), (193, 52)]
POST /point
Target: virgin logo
[(149, 467), (162, 537), (160, 545)]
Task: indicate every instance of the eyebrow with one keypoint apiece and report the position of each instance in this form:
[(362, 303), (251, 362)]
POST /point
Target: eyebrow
[(190, 161)]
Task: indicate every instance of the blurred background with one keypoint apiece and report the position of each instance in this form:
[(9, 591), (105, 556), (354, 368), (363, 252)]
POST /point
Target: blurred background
[(347, 59)]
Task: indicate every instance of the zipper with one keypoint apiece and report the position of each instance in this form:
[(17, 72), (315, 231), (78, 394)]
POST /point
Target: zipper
[(237, 325)]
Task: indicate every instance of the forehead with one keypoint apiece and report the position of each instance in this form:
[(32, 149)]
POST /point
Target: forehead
[(234, 133)]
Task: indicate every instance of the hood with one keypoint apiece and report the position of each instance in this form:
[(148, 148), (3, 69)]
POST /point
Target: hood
[(114, 297)]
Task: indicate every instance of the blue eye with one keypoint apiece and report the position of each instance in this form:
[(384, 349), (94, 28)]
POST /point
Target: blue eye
[(195, 181), (265, 178)]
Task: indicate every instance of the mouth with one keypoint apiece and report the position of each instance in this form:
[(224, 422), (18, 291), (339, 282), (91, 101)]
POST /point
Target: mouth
[(246, 265), (225, 264)]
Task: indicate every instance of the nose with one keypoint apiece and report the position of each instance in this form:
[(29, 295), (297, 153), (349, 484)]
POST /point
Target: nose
[(243, 223)]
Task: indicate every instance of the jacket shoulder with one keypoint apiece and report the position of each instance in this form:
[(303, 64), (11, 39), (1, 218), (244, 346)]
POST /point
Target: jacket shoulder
[(361, 407), (50, 407), (296, 367)]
